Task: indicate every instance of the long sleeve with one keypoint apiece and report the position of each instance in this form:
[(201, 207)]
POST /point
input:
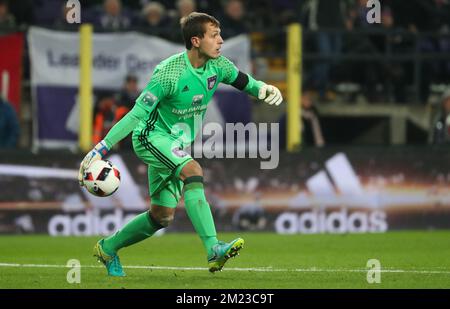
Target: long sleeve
[(124, 127), (156, 90), (253, 86), (230, 74)]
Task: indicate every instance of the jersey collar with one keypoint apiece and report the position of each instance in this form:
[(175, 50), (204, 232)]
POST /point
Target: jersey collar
[(199, 71), (194, 72)]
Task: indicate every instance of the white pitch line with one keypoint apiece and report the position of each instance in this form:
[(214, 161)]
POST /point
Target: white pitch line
[(313, 269)]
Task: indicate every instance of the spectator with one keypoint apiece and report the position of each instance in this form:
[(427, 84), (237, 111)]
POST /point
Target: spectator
[(61, 22), (260, 14), (233, 21), (441, 17), (154, 19), (432, 17), (311, 129), (287, 11), (357, 16), (364, 73), (129, 92), (184, 8), (440, 131), (107, 113), (326, 15), (125, 102), (394, 74), (23, 11), (6, 19), (9, 125), (113, 18), (44, 11)]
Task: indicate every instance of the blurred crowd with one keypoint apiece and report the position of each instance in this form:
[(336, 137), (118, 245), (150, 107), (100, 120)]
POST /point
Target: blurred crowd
[(154, 17), (394, 61), (406, 29)]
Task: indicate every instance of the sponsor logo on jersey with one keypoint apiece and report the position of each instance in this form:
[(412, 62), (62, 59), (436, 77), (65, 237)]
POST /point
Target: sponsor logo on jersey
[(149, 98), (212, 82), (197, 99)]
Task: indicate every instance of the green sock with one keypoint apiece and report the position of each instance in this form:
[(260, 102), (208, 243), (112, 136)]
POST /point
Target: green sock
[(199, 211), (139, 228)]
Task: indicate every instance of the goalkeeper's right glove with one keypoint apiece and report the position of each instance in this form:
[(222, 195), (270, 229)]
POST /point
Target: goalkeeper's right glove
[(270, 94), (99, 152)]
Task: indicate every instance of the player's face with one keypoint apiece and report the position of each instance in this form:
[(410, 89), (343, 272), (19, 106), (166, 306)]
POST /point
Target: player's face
[(211, 42)]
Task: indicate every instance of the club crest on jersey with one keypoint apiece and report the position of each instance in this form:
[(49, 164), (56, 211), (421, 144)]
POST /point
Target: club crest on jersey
[(212, 82), (197, 99), (179, 152)]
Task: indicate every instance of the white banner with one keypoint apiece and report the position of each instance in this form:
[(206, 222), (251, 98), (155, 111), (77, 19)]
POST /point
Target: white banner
[(55, 57)]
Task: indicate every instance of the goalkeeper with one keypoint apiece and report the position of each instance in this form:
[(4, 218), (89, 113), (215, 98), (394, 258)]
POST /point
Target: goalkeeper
[(163, 124)]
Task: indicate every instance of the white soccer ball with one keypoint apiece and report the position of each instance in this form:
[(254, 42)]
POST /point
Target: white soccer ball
[(101, 178)]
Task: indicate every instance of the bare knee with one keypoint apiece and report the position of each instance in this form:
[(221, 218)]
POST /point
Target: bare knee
[(162, 215), (165, 220), (192, 168)]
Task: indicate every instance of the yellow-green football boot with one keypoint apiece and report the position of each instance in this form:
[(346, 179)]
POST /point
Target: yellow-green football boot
[(222, 251), (111, 262)]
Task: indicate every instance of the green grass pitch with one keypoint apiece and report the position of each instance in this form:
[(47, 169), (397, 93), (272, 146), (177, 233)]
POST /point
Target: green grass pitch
[(408, 260)]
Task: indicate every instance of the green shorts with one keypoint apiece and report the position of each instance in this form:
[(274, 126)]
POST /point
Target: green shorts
[(165, 158)]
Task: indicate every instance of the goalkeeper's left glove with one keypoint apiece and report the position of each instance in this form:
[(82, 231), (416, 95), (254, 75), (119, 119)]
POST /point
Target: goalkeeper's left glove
[(99, 152), (270, 94)]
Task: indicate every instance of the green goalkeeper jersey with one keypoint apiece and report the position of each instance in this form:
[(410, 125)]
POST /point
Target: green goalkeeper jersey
[(177, 96)]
